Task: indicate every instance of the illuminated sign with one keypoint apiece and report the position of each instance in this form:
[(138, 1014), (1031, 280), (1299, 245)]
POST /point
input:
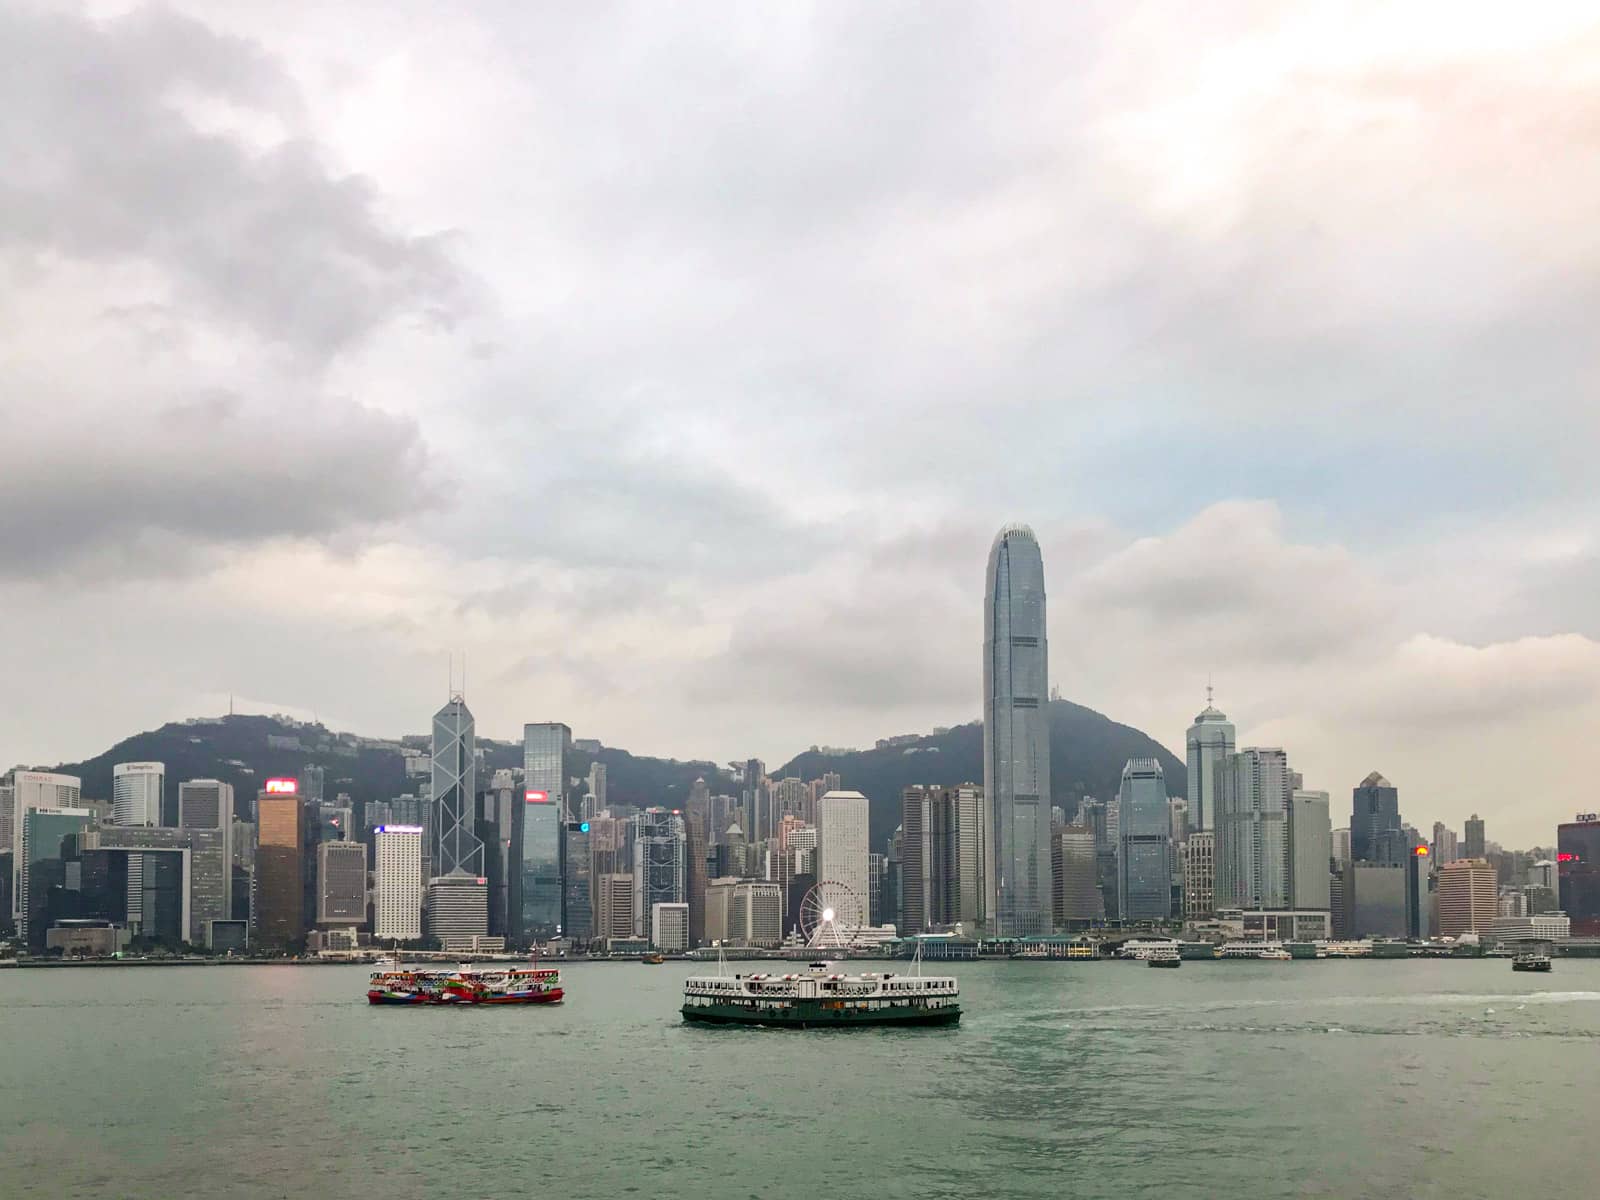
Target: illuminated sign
[(584, 827), (283, 787), (483, 881), (533, 797), (1564, 856), (1421, 852), (397, 829)]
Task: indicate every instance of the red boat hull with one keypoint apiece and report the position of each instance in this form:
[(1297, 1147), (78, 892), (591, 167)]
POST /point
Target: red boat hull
[(447, 998)]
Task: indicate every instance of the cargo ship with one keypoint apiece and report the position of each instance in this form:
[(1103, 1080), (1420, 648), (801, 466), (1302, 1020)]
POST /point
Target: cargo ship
[(820, 998), (468, 985)]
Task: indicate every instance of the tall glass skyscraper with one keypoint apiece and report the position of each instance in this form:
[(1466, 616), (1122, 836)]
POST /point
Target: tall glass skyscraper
[(538, 898), (1016, 738), (457, 850), (1375, 834), (1144, 872), (1209, 741), (1252, 850)]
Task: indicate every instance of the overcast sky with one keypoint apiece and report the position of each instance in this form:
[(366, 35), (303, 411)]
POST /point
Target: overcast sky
[(676, 365)]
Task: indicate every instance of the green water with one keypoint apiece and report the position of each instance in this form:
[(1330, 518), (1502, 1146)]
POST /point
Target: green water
[(1253, 1080)]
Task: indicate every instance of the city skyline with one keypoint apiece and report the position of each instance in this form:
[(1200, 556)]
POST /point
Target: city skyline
[(1053, 287)]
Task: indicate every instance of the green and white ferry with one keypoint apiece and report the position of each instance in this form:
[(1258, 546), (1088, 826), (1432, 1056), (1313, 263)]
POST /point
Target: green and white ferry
[(821, 998)]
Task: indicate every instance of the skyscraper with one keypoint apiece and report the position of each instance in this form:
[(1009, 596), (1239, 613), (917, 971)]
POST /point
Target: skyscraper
[(1209, 740), (1375, 812), (1473, 841), (1144, 824), (1468, 891), (341, 884), (278, 899), (842, 848), (457, 850), (941, 857), (1578, 872), (1446, 846), (755, 780), (577, 884), (660, 865), (1310, 850), (1077, 903), (1199, 875), (1252, 836), (136, 790), (1016, 737), (538, 893), (208, 804), (397, 891)]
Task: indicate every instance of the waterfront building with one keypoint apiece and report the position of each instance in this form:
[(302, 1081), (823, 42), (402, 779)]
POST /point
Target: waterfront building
[(1076, 902), (1539, 927), (397, 884), (1375, 812), (842, 845), (47, 843), (1473, 846), (1209, 741), (1016, 738), (1378, 900), (47, 792), (1275, 925), (1144, 826), (454, 772), (546, 747), (456, 908), (1468, 894), (1199, 875), (341, 883), (1310, 849), (669, 927), (183, 880), (1251, 858), (1445, 847), (208, 804), (942, 856), (660, 864), (277, 900), (136, 792)]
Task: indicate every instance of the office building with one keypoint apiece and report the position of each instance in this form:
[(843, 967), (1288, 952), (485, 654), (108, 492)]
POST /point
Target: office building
[(1144, 826), (614, 905), (208, 804), (1310, 849), (546, 747), (1178, 814), (1208, 741), (1341, 846), (596, 787), (136, 791), (1076, 900), (695, 830), (1375, 827), (754, 797), (397, 883), (669, 927), (842, 849), (341, 884), (47, 792), (942, 856), (183, 884), (1199, 875), (1468, 893), (1016, 738), (1445, 847), (660, 864), (454, 772), (278, 893), (47, 847), (744, 912), (578, 884), (1539, 927), (1251, 852), (455, 908), (1472, 843), (1377, 900)]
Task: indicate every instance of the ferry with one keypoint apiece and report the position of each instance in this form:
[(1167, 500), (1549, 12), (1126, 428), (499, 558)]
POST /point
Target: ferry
[(1271, 951), (1163, 957), (821, 998), (468, 985), (653, 960), (1531, 960)]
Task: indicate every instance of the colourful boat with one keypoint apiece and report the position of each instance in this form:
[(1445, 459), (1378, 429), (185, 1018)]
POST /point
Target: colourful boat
[(469, 985)]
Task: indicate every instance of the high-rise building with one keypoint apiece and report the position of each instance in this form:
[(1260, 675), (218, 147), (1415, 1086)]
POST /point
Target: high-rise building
[(614, 905), (660, 864), (1209, 740), (1016, 737), (744, 912), (46, 843), (455, 909), (8, 821), (578, 884), (1144, 825), (941, 858), (454, 766), (341, 884), (669, 927), (1076, 900), (208, 804), (1578, 872), (397, 882), (183, 885), (1199, 875), (546, 746), (1252, 836), (755, 787), (597, 787), (1375, 813), (1310, 850), (136, 790), (47, 792), (278, 892), (1473, 846), (1178, 815), (842, 847), (1468, 895), (1446, 847), (694, 828), (1377, 900), (1341, 846)]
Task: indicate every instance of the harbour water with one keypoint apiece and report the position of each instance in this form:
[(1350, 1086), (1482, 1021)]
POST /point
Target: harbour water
[(1456, 1079)]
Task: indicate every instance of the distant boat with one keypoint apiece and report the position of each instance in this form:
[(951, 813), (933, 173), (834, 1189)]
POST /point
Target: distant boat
[(1166, 957), (654, 960), (1531, 960)]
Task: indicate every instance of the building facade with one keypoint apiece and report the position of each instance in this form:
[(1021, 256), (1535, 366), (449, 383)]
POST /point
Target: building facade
[(397, 882), (454, 771), (1208, 741), (278, 891), (1251, 856), (1016, 738), (942, 857), (43, 790), (136, 792), (842, 848), (1144, 826), (455, 908), (1468, 892), (341, 884), (669, 927), (208, 804), (1076, 900), (1310, 850), (1375, 827), (660, 864), (1199, 875), (546, 748), (1578, 872)]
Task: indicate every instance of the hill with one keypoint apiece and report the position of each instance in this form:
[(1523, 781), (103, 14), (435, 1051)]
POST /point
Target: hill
[(1087, 753)]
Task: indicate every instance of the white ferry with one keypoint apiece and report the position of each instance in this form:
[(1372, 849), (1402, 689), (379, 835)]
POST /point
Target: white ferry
[(821, 997), (1271, 951)]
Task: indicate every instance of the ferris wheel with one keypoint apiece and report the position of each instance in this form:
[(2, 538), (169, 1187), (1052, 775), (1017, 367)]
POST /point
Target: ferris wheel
[(831, 914)]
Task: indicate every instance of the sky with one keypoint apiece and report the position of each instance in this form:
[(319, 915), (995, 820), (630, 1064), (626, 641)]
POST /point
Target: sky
[(672, 368)]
